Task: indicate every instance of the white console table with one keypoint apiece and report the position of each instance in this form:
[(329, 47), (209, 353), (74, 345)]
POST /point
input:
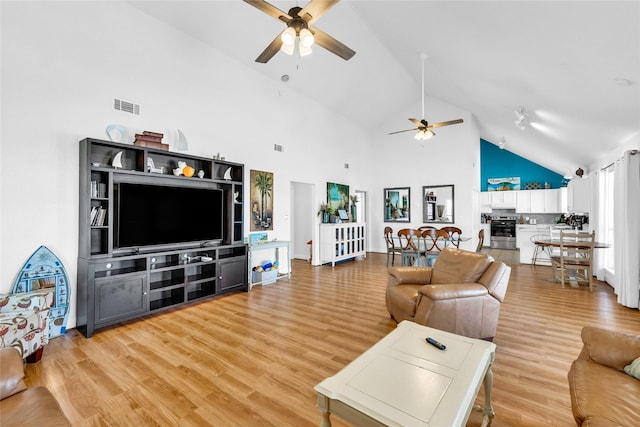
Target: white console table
[(342, 241), (275, 244)]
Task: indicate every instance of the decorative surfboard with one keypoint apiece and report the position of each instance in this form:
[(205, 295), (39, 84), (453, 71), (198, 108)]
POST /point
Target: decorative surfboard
[(44, 270)]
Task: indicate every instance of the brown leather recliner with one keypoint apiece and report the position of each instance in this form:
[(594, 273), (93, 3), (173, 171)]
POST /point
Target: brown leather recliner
[(22, 406), (602, 394), (461, 293)]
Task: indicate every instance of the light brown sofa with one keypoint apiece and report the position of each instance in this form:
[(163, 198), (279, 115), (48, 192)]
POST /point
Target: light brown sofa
[(461, 293), (22, 406), (602, 394)]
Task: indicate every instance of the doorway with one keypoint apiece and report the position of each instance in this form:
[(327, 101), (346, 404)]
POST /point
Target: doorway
[(303, 216)]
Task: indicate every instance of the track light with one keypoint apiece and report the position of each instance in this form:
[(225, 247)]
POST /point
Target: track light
[(521, 118), (305, 41)]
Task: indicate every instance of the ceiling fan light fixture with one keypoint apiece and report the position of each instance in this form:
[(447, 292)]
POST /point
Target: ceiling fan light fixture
[(288, 38), (304, 50), (306, 38), (288, 49), (424, 134)]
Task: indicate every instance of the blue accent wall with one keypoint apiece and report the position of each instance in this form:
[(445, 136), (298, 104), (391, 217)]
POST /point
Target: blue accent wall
[(497, 163)]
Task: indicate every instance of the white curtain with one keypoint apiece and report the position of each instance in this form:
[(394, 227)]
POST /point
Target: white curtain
[(596, 221), (627, 230)]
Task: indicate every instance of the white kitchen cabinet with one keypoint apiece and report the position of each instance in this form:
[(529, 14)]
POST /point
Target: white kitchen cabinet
[(485, 202), (523, 201), (503, 199), (538, 201), (579, 195), (552, 201)]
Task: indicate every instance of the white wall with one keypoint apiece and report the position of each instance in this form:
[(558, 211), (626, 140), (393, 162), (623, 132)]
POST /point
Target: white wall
[(62, 65), (451, 157)]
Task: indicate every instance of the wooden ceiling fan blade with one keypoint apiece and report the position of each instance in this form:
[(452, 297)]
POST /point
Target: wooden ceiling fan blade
[(271, 50), (332, 45), (406, 130), (417, 122), (450, 122), (269, 9), (315, 9)]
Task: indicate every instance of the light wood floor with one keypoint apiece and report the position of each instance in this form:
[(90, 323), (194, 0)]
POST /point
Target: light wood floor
[(252, 359)]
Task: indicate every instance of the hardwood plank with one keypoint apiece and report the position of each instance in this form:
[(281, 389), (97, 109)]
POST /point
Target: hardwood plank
[(253, 358)]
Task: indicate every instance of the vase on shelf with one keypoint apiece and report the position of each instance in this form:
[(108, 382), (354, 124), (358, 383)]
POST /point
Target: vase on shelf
[(354, 213), (325, 217)]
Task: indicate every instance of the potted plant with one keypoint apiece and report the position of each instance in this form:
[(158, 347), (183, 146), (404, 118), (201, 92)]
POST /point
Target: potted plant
[(354, 209), (324, 212)]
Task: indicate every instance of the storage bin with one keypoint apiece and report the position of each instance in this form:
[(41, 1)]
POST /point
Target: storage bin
[(265, 277)]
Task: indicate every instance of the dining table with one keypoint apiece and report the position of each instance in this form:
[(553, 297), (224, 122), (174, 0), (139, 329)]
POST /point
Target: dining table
[(555, 243), (431, 256)]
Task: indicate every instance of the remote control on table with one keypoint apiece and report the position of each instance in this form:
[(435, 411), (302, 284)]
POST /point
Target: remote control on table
[(436, 344)]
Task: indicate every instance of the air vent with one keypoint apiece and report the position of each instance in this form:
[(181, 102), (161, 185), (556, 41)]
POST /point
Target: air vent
[(127, 107), (277, 147)]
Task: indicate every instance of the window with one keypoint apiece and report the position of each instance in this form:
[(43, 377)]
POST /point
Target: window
[(607, 189)]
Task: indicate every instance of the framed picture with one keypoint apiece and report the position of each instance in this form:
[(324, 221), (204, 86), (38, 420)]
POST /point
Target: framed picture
[(261, 188), (438, 204), (343, 215), (503, 184), (397, 204), (337, 196)]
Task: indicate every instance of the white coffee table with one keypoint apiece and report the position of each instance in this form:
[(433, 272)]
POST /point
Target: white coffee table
[(404, 381)]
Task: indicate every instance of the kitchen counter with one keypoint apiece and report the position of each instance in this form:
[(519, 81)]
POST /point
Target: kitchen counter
[(524, 241)]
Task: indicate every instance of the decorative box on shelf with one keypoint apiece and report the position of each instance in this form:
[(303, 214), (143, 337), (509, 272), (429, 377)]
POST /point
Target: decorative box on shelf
[(264, 277)]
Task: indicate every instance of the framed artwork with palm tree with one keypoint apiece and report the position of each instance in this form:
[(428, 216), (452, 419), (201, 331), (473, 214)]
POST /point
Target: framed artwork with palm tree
[(261, 200)]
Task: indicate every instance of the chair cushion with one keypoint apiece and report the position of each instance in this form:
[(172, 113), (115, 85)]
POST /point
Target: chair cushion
[(402, 301), (459, 266), (25, 330), (33, 407), (11, 373), (633, 369), (603, 396)]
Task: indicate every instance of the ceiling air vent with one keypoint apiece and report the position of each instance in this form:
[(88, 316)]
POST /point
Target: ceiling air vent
[(277, 147), (127, 107)]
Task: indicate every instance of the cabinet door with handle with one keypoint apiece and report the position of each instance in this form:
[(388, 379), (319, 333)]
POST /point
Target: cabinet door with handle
[(120, 298), (233, 273)]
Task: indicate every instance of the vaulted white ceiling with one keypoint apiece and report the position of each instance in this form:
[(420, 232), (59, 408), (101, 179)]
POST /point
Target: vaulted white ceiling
[(573, 65)]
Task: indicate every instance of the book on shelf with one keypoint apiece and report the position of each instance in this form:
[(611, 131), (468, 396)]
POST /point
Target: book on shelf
[(94, 189), (98, 216), (150, 138), (149, 133), (145, 143), (102, 190)]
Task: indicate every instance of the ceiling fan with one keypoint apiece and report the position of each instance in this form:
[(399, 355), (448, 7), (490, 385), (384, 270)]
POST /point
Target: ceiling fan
[(424, 128), (299, 22)]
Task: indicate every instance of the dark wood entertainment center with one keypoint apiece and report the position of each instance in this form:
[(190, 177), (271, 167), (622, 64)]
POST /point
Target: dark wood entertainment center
[(116, 285)]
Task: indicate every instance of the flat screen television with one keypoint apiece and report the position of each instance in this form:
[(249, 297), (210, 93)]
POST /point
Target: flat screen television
[(154, 216)]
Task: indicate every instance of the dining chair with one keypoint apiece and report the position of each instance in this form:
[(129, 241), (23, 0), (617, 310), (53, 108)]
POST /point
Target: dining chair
[(434, 242), (392, 249), (480, 240), (426, 227), (453, 235), (410, 246), (575, 260)]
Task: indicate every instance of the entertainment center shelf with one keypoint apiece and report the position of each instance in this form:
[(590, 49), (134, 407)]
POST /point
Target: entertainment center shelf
[(125, 273)]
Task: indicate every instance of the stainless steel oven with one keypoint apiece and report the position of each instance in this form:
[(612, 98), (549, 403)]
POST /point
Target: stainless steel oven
[(503, 232)]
